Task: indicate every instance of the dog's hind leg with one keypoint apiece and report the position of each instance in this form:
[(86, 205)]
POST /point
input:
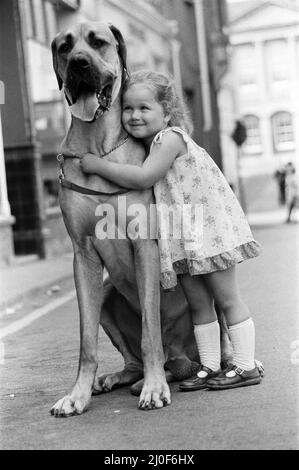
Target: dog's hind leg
[(88, 271), (115, 308)]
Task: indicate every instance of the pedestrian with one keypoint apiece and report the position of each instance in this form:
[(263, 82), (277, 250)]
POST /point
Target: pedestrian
[(280, 175), (292, 191), (183, 173)]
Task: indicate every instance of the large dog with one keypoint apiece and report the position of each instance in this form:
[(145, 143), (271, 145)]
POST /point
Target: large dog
[(90, 63)]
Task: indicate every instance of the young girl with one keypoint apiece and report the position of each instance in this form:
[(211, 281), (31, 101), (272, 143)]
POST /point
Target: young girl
[(183, 173)]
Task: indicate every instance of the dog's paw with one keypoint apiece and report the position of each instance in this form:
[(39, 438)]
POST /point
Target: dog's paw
[(105, 383), (154, 395), (68, 406)]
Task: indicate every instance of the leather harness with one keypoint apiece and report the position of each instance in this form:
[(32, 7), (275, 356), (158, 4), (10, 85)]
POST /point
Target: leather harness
[(65, 183)]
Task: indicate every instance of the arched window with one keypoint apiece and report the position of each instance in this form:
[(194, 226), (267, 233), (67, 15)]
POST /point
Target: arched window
[(283, 132), (253, 143)]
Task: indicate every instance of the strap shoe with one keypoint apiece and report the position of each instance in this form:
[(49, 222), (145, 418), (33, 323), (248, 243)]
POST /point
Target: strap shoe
[(234, 377), (198, 381)]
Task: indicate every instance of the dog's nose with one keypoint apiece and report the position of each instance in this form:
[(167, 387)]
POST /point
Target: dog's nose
[(82, 62), (79, 62)]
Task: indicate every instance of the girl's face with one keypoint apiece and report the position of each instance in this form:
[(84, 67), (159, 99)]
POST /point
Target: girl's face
[(142, 116)]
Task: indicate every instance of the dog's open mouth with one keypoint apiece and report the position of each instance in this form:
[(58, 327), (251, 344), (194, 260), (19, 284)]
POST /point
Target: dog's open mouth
[(104, 98), (88, 102)]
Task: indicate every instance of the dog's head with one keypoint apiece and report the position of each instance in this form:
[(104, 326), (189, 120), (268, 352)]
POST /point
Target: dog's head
[(89, 61)]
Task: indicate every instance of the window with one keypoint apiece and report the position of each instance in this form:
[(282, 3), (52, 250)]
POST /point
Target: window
[(283, 133), (253, 143), (246, 66), (278, 67), (40, 20), (51, 22)]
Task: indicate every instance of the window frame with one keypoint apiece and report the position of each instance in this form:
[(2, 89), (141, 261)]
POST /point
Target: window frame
[(40, 31), (282, 145), (256, 148)]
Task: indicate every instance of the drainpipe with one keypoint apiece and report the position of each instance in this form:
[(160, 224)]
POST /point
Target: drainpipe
[(175, 53), (203, 65), (4, 204)]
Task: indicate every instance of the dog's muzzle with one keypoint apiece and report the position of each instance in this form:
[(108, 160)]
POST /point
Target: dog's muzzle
[(88, 92)]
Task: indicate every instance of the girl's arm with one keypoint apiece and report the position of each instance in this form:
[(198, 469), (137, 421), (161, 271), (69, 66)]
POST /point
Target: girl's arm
[(153, 169)]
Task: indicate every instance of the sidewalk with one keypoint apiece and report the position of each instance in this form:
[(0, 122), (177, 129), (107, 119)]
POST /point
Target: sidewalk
[(24, 279), (28, 277), (276, 217)]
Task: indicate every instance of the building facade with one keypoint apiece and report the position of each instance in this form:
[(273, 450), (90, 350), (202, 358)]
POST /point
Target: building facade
[(264, 37)]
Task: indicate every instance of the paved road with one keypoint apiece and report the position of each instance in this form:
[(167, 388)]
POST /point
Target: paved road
[(40, 365)]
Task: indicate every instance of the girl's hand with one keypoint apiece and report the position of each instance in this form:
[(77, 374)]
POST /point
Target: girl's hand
[(88, 163)]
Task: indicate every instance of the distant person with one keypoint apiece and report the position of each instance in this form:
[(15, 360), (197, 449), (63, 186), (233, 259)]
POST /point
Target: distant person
[(292, 191), (280, 176), (182, 173)]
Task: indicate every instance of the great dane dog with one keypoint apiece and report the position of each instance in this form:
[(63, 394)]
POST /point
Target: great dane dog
[(90, 64)]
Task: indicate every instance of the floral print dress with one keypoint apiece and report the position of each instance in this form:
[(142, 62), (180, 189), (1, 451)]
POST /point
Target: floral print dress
[(201, 225)]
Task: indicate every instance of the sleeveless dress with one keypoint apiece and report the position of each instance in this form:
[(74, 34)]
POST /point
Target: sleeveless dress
[(201, 225)]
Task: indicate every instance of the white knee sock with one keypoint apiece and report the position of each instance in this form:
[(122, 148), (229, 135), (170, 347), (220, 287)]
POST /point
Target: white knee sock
[(242, 336), (208, 344)]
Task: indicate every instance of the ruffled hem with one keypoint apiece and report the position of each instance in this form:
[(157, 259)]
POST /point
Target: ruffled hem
[(208, 265)]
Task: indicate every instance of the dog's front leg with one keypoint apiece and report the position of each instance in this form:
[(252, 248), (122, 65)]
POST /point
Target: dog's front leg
[(88, 272), (155, 392)]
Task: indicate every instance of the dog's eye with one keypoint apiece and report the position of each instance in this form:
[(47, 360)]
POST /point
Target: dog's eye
[(64, 48), (98, 43)]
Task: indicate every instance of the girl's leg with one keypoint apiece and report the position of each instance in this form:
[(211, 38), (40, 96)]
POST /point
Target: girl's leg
[(206, 330), (226, 292), (199, 298), (225, 289)]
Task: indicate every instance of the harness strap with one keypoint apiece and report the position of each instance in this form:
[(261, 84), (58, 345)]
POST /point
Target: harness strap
[(81, 189), (76, 187)]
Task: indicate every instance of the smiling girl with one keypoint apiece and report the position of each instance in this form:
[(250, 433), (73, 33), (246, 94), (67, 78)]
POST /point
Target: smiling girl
[(183, 173)]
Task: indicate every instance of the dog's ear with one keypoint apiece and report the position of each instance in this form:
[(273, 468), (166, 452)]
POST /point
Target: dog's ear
[(122, 49), (55, 63)]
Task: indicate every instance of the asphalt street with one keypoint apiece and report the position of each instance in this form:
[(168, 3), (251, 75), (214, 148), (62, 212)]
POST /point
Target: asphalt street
[(39, 365)]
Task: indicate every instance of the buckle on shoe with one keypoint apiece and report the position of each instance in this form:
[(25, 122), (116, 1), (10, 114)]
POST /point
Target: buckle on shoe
[(238, 370)]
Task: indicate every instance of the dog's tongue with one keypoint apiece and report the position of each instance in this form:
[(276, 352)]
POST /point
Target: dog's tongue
[(85, 107)]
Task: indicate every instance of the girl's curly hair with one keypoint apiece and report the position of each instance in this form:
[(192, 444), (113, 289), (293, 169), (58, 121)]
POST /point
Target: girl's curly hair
[(166, 94)]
